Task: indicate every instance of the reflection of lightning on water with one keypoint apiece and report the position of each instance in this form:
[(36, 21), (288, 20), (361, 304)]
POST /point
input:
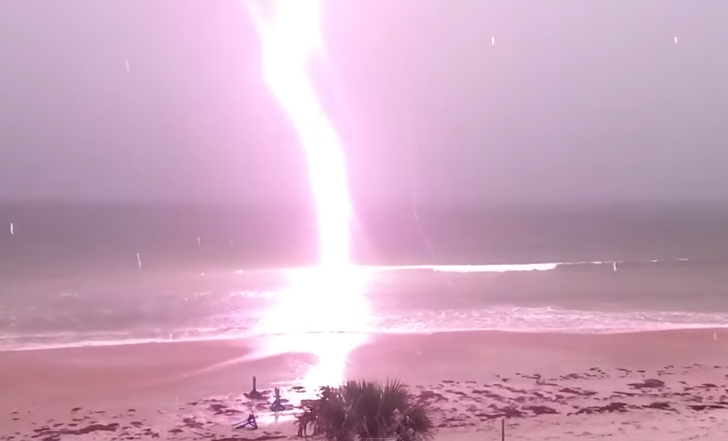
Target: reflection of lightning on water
[(415, 191)]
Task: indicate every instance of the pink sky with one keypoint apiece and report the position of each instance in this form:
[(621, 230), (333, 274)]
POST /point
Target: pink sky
[(578, 101)]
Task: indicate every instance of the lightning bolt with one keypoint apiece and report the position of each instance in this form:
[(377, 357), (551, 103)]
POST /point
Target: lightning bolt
[(291, 38)]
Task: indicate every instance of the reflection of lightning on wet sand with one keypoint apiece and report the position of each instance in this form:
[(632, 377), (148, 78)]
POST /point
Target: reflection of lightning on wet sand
[(322, 313)]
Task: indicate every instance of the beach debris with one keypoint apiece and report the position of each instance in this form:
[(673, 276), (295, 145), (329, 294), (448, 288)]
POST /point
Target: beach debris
[(223, 409), (624, 394), (700, 407), (277, 405), (648, 384), (577, 391), (56, 434), (510, 412), (254, 394), (426, 395), (662, 405), (192, 423), (248, 422), (615, 406), (541, 410)]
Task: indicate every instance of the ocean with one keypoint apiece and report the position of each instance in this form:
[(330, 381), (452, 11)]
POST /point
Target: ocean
[(84, 274)]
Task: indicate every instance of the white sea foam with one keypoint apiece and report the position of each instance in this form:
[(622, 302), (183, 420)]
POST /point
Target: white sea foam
[(402, 299), (496, 319)]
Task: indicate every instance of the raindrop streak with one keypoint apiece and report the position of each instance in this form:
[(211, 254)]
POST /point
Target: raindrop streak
[(127, 67), (139, 261), (12, 229), (415, 193)]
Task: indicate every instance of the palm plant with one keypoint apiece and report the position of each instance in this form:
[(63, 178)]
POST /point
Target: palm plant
[(359, 410)]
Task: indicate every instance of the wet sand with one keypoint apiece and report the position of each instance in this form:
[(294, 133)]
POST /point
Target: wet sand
[(666, 385)]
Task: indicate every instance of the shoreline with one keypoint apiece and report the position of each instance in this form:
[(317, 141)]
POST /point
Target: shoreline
[(543, 383), (254, 337)]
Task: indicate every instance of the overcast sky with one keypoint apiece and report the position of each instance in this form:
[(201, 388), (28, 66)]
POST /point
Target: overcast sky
[(577, 101)]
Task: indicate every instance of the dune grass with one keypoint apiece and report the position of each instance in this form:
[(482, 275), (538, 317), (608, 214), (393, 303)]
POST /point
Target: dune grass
[(360, 410)]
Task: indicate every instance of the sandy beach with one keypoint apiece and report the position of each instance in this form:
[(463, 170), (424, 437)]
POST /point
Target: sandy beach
[(666, 385)]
